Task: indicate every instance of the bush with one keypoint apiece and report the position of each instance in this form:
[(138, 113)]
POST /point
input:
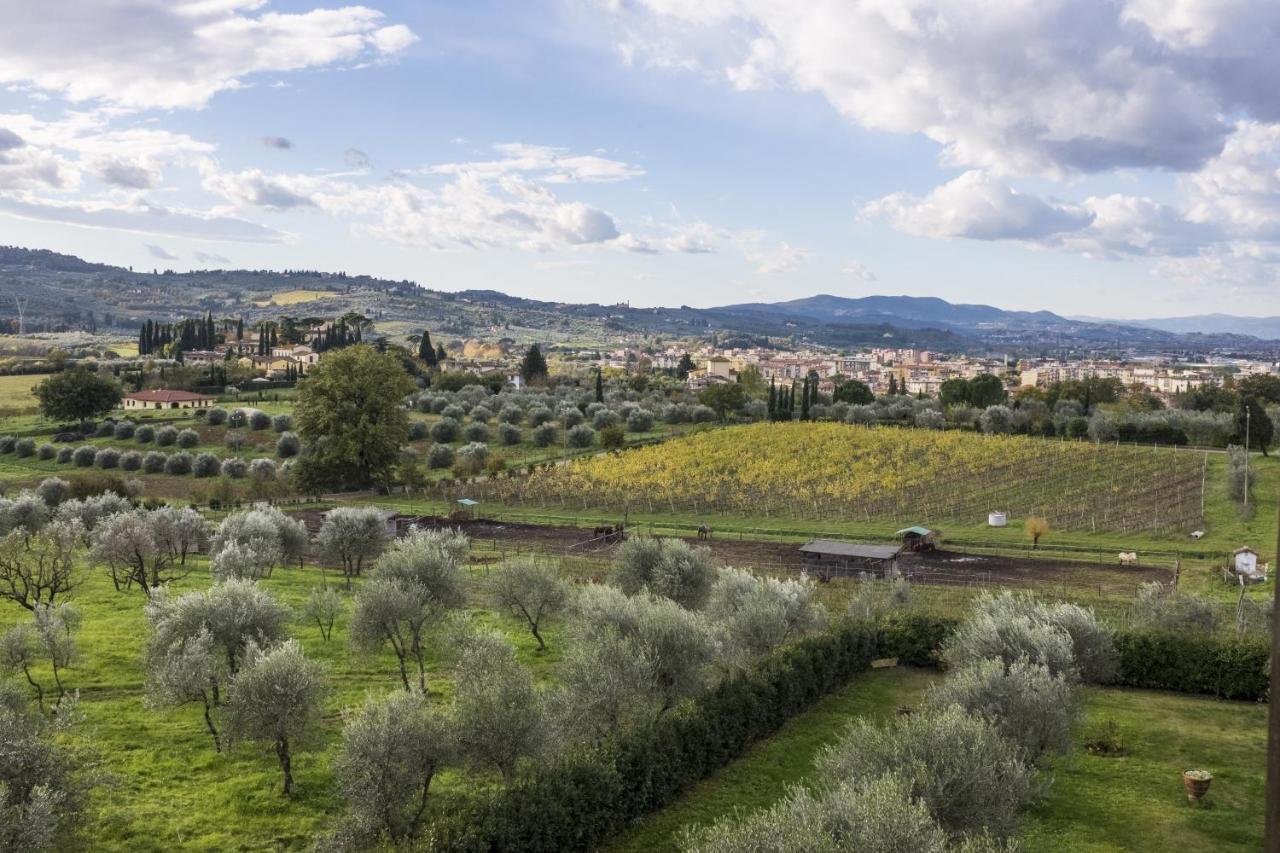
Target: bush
[(153, 462), (131, 460), (233, 467), (108, 457), (481, 415), (206, 465), (238, 419), (509, 435), (188, 439), (440, 456), (53, 490), (570, 417), (581, 436), (668, 567), (24, 448), (418, 430), (259, 421), (944, 752), (106, 429), (65, 455), (1185, 662), (216, 417), (604, 419), (476, 432), (1025, 703), (7, 444), (144, 434), (288, 445), (511, 414), (1156, 608), (261, 469), (702, 414), (544, 435), (124, 430), (539, 415), (579, 799), (178, 464), (445, 430), (84, 456), (613, 437), (453, 411), (282, 423), (471, 458), (46, 451), (166, 435), (640, 420)]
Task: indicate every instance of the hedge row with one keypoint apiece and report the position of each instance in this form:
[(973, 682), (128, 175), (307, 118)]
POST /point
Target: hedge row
[(1221, 666), (585, 797)]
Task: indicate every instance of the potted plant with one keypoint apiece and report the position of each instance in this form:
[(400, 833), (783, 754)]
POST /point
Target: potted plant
[(1197, 783)]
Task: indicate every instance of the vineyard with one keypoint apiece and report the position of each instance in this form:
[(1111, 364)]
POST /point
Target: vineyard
[(842, 472)]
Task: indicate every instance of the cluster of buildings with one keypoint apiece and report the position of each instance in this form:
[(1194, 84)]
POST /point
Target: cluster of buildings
[(282, 363), (1162, 378)]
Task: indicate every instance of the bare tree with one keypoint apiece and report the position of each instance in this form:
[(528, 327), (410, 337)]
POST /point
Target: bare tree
[(35, 570), (392, 749), (531, 590), (277, 698)]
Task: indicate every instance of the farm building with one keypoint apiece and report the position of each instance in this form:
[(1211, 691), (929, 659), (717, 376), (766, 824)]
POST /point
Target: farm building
[(918, 538), (1245, 561), (164, 399), (827, 558)]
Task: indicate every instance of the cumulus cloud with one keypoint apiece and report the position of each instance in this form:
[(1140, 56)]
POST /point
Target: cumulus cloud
[(977, 206), (179, 53), (278, 142), (125, 174), (161, 252), (258, 189)]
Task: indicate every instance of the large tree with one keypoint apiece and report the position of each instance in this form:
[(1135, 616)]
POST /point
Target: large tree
[(78, 394), (1253, 424), (352, 418), (533, 368)]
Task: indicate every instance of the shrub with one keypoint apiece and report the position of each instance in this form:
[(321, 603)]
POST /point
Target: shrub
[(153, 462), (131, 460), (206, 465), (509, 435), (166, 435), (702, 414), (418, 430), (125, 430), (511, 414), (613, 437), (238, 419), (259, 421), (946, 751), (640, 420), (108, 457), (53, 491), (144, 434), (471, 458), (570, 417), (453, 411), (288, 445), (7, 444), (544, 435), (282, 423), (46, 451), (106, 429), (1025, 703), (445, 430), (481, 415), (1187, 662), (605, 418), (539, 415), (216, 417), (262, 469), (65, 455), (234, 467), (1159, 609), (24, 448), (581, 436), (178, 464), (668, 567), (476, 432), (440, 456), (84, 456)]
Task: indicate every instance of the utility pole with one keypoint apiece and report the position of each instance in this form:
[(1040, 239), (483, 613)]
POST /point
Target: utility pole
[(1273, 723), (22, 314)]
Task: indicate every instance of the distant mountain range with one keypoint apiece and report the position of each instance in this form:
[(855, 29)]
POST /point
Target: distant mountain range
[(64, 291), (1267, 328)]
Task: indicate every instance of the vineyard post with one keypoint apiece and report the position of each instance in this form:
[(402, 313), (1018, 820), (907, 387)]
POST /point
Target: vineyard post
[(1273, 716)]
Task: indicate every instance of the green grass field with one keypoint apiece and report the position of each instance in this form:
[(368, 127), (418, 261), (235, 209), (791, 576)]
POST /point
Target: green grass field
[(15, 391), (1095, 804)]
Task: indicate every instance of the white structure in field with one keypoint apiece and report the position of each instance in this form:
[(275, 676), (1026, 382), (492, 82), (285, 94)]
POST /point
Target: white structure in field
[(997, 519), (1246, 561)]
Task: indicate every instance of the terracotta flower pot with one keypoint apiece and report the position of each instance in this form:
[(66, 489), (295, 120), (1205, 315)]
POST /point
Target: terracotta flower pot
[(1196, 783)]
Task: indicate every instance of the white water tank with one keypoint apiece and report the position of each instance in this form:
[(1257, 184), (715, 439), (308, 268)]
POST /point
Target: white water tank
[(997, 519)]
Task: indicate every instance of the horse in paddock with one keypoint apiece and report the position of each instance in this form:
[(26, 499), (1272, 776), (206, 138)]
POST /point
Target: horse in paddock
[(704, 532)]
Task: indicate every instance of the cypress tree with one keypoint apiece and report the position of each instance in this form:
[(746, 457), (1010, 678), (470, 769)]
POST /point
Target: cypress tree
[(773, 398), (804, 400), (426, 351), (599, 386), (441, 355)]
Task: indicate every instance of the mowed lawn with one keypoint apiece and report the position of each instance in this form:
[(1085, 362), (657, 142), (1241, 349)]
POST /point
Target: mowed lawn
[(1095, 805)]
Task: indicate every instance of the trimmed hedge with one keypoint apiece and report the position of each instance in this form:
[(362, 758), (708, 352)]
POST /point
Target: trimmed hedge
[(583, 798), (1222, 666)]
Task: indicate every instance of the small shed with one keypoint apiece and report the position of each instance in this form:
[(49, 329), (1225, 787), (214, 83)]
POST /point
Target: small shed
[(1245, 561), (827, 558), (465, 510), (918, 538)]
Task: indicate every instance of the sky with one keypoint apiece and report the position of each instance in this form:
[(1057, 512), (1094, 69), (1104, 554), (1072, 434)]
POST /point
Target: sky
[(1116, 158)]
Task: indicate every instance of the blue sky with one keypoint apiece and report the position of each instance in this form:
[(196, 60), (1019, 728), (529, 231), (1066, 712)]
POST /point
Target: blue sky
[(1084, 156)]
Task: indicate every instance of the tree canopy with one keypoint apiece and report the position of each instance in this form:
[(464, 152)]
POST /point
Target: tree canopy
[(78, 394)]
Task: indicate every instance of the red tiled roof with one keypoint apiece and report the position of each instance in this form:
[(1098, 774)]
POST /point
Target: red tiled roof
[(166, 396)]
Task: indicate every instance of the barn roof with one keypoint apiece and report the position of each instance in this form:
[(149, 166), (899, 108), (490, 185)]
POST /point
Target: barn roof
[(830, 547), (917, 530), (164, 395)]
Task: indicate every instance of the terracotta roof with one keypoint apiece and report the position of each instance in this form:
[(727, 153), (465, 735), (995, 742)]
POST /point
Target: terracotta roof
[(163, 395)]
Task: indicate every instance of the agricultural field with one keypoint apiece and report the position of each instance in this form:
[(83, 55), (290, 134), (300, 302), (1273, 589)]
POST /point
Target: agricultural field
[(15, 392), (1095, 804), (294, 297), (831, 471)]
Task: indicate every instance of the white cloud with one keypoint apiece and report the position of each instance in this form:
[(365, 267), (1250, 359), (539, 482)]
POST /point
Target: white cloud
[(858, 271), (553, 165), (698, 238), (178, 53), (769, 257), (257, 189), (979, 207), (144, 218)]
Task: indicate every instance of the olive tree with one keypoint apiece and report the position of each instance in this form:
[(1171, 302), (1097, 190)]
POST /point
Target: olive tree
[(500, 714), (186, 671), (132, 548), (323, 606), (36, 569), (531, 590), (264, 531), (351, 536), (606, 685), (47, 640), (392, 748), (43, 786), (969, 777), (667, 567), (759, 614), (277, 698), (180, 530)]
